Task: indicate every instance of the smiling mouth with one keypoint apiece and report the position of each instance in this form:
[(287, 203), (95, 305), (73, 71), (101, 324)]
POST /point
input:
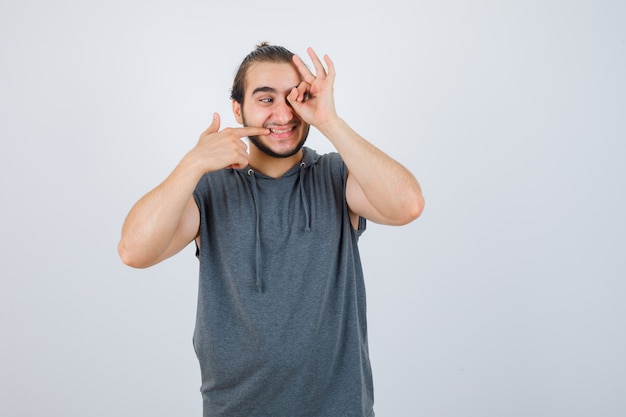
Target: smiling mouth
[(282, 131)]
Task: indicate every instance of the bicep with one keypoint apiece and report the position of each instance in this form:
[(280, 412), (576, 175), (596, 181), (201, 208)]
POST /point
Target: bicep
[(359, 205), (186, 231)]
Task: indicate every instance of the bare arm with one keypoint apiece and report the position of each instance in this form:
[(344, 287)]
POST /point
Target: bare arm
[(167, 219), (378, 188), (161, 223)]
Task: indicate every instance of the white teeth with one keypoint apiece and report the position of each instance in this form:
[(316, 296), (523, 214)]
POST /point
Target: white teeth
[(278, 132)]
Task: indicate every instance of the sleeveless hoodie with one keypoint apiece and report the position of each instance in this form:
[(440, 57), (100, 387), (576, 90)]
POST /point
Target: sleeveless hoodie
[(281, 321)]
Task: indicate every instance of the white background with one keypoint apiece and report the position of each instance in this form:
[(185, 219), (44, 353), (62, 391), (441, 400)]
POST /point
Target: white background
[(506, 298)]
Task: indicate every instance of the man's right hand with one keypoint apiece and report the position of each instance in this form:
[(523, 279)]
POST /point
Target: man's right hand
[(222, 149)]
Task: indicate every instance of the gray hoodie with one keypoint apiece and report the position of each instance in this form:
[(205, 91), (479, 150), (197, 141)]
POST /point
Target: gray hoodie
[(281, 322)]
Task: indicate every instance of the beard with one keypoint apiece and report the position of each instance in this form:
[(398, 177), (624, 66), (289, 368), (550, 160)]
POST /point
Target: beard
[(266, 149), (256, 141)]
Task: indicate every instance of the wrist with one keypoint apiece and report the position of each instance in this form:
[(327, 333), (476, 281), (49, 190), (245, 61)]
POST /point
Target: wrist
[(192, 165), (332, 126)]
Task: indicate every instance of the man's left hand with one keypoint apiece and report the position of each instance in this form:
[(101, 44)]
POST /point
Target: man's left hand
[(313, 99)]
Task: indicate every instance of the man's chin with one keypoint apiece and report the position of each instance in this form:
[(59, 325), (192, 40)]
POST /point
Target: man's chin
[(270, 152)]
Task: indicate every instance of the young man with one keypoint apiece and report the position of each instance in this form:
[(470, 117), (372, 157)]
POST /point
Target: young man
[(281, 321)]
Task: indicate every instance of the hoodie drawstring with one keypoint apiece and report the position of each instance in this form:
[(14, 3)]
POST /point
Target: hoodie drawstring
[(305, 203), (255, 197), (257, 231)]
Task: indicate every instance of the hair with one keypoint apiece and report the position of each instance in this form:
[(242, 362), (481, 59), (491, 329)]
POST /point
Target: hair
[(264, 52)]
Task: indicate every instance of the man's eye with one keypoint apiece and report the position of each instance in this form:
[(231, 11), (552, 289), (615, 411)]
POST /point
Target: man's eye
[(266, 100)]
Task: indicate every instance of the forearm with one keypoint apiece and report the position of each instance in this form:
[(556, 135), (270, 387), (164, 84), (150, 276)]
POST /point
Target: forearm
[(388, 186), (152, 223), (167, 219)]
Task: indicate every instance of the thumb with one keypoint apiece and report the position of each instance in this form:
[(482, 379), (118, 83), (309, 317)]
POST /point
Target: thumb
[(215, 125)]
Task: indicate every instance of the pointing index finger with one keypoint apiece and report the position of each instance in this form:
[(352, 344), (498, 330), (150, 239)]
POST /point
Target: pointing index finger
[(249, 131)]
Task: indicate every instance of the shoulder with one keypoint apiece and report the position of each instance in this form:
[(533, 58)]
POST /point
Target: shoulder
[(333, 158), (329, 172), (332, 163), (217, 181)]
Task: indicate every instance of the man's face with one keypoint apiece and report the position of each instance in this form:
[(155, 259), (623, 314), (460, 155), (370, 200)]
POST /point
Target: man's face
[(265, 105)]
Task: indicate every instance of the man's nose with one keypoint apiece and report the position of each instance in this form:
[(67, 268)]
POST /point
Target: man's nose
[(283, 112)]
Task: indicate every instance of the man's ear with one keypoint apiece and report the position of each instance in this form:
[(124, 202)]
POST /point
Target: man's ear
[(237, 112)]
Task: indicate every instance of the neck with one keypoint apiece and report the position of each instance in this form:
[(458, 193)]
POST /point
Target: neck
[(272, 166)]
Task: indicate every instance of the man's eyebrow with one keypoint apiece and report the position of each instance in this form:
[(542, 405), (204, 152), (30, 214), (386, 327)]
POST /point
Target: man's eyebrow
[(266, 89), (263, 90)]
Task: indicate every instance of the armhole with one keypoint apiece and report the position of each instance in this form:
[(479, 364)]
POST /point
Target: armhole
[(362, 224), (361, 221), (197, 198)]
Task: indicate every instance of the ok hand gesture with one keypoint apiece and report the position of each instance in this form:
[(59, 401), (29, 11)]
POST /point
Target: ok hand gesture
[(313, 99)]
